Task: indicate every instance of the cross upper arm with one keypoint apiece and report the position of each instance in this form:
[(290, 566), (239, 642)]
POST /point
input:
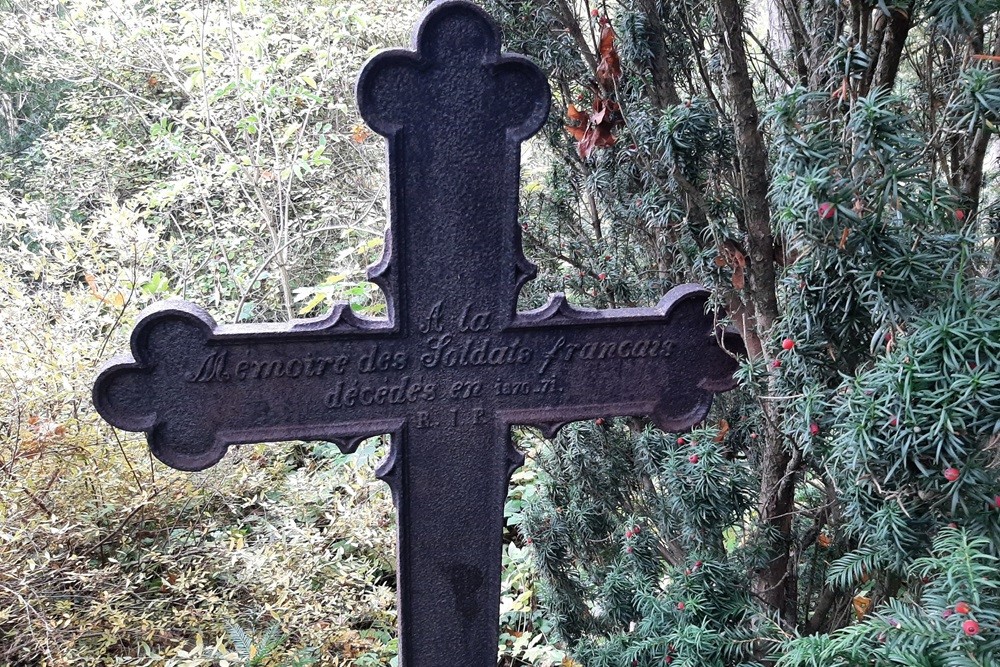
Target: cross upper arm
[(456, 60)]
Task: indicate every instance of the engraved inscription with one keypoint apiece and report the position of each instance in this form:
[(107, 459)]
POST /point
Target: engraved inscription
[(504, 388), (596, 351), (384, 374), (473, 321), (450, 342), (380, 360), (434, 320), (476, 416), (216, 367), (445, 350), (347, 395)]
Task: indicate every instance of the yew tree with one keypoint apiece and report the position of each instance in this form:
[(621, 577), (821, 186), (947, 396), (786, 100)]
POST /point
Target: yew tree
[(826, 169)]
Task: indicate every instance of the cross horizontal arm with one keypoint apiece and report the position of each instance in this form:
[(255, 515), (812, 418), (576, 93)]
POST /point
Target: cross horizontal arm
[(195, 388)]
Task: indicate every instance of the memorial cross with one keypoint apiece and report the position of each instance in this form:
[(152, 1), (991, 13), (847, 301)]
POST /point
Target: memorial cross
[(454, 365)]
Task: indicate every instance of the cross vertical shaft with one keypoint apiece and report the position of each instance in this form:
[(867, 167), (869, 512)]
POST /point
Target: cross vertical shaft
[(454, 112), (448, 513)]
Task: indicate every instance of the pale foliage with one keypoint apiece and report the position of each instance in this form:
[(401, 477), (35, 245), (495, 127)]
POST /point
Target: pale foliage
[(207, 151)]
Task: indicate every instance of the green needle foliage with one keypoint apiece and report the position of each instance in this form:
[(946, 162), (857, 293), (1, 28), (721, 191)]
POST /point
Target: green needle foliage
[(828, 171)]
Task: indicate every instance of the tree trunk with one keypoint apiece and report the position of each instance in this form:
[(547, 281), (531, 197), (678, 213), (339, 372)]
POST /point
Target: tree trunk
[(776, 583), (662, 92), (892, 47), (752, 156)]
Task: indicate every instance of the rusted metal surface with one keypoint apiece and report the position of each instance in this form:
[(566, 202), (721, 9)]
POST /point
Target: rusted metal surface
[(454, 366)]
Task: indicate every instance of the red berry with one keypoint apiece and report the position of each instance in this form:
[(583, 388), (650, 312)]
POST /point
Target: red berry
[(599, 421), (680, 606), (826, 210), (996, 501), (814, 429), (753, 436), (687, 571), (635, 530), (602, 276), (667, 659), (787, 344), (693, 458), (595, 12), (894, 421), (951, 474), (946, 613), (953, 525), (776, 363), (960, 215), (970, 628), (529, 541), (680, 441), (628, 533), (698, 563), (962, 608)]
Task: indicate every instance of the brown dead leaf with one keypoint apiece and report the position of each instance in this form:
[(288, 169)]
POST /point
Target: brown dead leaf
[(577, 132), (824, 541), (732, 256), (841, 91), (575, 115), (723, 431), (739, 278), (609, 70), (983, 56), (843, 238), (115, 298), (594, 129), (360, 133), (861, 605), (585, 146)]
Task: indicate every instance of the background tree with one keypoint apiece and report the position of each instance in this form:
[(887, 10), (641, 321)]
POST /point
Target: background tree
[(823, 167)]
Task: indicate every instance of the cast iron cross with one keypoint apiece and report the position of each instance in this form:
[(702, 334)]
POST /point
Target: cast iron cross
[(454, 365)]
